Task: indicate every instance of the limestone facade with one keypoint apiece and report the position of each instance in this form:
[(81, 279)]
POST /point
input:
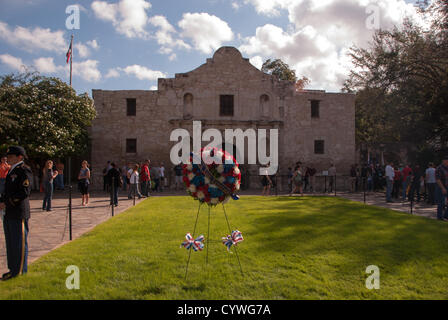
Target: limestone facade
[(260, 101)]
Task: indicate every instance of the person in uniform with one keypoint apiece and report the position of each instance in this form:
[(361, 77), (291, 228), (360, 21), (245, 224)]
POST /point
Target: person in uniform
[(15, 203)]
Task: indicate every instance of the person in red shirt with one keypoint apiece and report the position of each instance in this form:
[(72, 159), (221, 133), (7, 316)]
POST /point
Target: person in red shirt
[(397, 182), (406, 175), (4, 169), (145, 178)]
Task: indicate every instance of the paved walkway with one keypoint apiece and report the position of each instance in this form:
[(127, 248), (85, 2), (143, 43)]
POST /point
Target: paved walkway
[(379, 199), (49, 230)]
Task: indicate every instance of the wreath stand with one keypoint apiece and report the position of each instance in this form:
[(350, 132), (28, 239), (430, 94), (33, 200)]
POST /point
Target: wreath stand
[(208, 239)]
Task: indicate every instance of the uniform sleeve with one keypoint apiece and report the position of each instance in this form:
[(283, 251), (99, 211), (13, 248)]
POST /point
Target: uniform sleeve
[(23, 191)]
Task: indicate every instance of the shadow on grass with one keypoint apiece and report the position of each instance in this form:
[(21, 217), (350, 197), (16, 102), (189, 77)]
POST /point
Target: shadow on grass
[(200, 287), (309, 227), (151, 290)]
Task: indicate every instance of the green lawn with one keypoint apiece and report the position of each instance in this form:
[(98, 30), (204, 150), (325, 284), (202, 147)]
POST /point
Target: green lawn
[(293, 248)]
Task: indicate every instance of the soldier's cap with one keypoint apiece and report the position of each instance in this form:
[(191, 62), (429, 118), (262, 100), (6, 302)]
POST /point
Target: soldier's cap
[(17, 150)]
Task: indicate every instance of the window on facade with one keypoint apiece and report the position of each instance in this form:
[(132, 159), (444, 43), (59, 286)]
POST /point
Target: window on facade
[(315, 108), (188, 106), (131, 106), (264, 105), (319, 146), (131, 145), (226, 105)]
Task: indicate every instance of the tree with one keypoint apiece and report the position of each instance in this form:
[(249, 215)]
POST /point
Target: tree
[(401, 83), (44, 115), (282, 70)]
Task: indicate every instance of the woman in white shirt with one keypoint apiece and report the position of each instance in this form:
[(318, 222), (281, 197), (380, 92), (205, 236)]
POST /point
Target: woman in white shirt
[(133, 181), (163, 181)]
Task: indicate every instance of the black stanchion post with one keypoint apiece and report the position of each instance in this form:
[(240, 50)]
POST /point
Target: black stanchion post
[(112, 196), (364, 187), (325, 184), (70, 210), (412, 203), (136, 186)]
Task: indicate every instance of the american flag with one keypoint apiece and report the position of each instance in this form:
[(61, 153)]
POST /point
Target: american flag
[(69, 52)]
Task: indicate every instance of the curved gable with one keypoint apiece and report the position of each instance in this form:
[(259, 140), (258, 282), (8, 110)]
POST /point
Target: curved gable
[(226, 61)]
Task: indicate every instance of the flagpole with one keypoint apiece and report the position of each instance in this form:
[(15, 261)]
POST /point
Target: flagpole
[(70, 158), (71, 58)]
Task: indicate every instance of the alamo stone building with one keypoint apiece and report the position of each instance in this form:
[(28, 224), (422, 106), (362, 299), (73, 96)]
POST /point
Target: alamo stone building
[(226, 92)]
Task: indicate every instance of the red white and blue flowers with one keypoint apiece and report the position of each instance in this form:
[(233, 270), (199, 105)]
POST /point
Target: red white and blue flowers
[(232, 239), (196, 244), (212, 181)]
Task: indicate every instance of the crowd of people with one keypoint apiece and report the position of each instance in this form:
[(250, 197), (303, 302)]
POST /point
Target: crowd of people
[(300, 180), (401, 182), (16, 179), (139, 179), (136, 179), (405, 183)]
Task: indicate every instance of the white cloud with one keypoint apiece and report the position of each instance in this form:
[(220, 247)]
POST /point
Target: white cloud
[(153, 88), (82, 50), (320, 33), (270, 7), (31, 39), (93, 44), (112, 73), (143, 73), (127, 16), (105, 11), (46, 65), (140, 72), (164, 36), (13, 62), (87, 70), (256, 61), (207, 32)]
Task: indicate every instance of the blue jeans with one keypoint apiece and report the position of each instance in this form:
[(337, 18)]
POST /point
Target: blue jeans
[(145, 188), (405, 187), (48, 188), (134, 190), (442, 211), (369, 184), (114, 194), (125, 182), (389, 184)]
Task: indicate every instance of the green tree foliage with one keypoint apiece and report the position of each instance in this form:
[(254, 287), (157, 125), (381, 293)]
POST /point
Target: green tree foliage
[(401, 83), (282, 70), (44, 115)]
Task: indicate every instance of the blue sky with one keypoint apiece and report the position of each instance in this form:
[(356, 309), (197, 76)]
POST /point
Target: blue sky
[(128, 44)]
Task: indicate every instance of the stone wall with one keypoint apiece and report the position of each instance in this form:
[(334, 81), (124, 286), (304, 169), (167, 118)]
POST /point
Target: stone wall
[(260, 102)]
